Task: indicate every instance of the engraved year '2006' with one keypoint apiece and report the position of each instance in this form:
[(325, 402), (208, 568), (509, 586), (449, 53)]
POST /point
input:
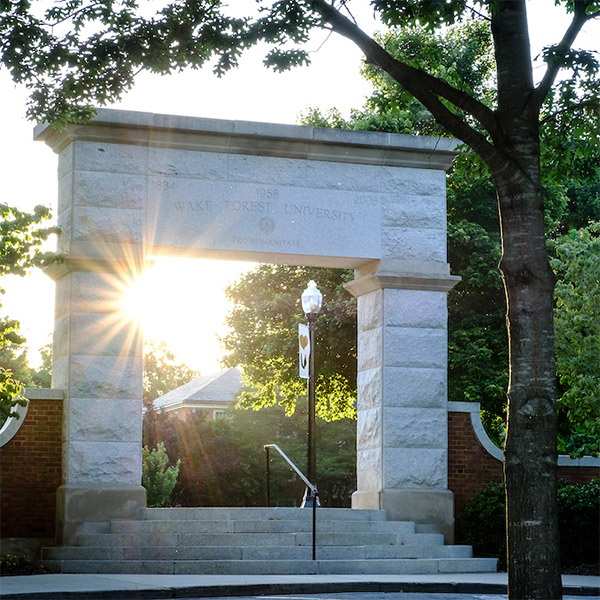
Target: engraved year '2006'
[(366, 199)]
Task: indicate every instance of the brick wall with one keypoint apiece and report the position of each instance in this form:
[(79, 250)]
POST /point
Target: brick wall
[(474, 461), (30, 470)]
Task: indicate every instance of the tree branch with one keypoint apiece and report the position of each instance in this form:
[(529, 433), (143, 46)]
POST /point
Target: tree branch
[(422, 86), (579, 19), (571, 108)]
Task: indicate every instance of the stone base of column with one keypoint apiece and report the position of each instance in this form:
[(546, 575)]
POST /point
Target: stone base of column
[(89, 509), (434, 508)]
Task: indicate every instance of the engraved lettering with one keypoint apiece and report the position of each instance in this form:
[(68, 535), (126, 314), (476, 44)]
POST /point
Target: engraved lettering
[(193, 206), (366, 199), (319, 213), (247, 206)]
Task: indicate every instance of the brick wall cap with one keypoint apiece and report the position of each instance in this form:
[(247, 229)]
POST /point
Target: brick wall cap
[(585, 461), (475, 411), (12, 425), (44, 394)]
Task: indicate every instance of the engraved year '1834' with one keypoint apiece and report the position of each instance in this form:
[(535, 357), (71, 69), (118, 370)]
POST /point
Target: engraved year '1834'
[(164, 184)]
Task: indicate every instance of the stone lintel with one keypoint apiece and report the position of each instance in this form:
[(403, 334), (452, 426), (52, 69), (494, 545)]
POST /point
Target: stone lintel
[(81, 509), (254, 138), (402, 274), (434, 508)]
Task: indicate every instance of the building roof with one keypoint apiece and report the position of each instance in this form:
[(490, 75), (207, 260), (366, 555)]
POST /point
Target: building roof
[(218, 389)]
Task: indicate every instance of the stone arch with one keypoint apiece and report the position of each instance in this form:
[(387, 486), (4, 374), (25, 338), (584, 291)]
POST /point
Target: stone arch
[(133, 185)]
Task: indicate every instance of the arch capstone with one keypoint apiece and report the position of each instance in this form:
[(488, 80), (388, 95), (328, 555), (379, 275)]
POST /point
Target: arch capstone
[(136, 185)]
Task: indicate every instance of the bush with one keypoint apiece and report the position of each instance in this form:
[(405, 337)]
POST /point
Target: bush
[(224, 460), (579, 522), (158, 479), (481, 523)]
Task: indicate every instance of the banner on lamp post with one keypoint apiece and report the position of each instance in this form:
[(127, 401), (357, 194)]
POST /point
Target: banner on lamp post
[(304, 349)]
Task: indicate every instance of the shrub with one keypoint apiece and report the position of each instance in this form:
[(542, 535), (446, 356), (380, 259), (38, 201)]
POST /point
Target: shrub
[(158, 479), (481, 523), (579, 522)]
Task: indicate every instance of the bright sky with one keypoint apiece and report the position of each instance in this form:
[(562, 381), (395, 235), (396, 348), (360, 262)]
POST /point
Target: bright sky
[(176, 307)]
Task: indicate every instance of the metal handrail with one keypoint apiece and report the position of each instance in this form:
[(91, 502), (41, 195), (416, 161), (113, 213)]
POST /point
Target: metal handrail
[(309, 485)]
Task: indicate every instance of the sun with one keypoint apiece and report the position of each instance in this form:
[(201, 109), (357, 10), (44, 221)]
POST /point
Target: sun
[(183, 302)]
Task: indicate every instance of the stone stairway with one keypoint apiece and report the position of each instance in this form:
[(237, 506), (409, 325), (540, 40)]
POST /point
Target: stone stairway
[(262, 541)]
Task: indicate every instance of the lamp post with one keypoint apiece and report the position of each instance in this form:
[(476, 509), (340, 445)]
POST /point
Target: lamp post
[(311, 305)]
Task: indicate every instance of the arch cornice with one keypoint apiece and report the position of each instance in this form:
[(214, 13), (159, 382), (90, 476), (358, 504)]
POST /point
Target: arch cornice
[(252, 138)]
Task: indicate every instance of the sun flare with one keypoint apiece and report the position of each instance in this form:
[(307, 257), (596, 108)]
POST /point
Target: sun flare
[(182, 302)]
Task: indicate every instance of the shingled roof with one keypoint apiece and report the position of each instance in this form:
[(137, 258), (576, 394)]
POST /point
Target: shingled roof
[(210, 391)]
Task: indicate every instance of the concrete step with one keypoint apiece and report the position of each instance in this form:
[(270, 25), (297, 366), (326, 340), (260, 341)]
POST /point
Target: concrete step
[(266, 526), (263, 541), (264, 567), (257, 539), (260, 514), (115, 553)]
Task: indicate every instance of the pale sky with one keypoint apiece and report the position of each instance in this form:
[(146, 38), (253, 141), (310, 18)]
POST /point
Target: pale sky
[(179, 314)]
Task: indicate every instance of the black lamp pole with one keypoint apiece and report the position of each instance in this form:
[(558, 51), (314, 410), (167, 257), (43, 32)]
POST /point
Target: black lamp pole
[(311, 446), (311, 305)]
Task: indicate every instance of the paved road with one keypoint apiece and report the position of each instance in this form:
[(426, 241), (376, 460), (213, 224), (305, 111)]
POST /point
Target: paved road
[(388, 596)]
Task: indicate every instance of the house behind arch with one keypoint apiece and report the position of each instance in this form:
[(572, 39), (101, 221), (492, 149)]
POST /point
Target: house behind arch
[(209, 395)]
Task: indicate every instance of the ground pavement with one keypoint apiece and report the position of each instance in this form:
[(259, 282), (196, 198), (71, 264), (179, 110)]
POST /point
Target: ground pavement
[(455, 586)]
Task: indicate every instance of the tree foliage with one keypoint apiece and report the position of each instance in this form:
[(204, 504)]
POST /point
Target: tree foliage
[(162, 372), (223, 460), (21, 238), (577, 322), (79, 50), (158, 478), (478, 344), (264, 342), (481, 524)]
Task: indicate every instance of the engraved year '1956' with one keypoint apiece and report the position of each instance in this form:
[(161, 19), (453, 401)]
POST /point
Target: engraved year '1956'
[(267, 193)]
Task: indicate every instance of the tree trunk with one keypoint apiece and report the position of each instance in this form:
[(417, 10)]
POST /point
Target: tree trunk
[(530, 452)]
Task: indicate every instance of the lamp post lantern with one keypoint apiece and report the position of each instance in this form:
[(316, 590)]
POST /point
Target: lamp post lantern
[(311, 305)]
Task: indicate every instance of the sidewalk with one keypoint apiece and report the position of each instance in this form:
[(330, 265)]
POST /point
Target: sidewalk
[(69, 587)]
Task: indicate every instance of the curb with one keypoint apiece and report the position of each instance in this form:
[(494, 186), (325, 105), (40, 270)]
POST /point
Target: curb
[(231, 590)]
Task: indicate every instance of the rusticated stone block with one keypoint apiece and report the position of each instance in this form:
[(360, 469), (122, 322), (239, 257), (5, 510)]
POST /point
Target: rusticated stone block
[(104, 419), (104, 463), (104, 377), (265, 170), (408, 427), (370, 310), (109, 190), (415, 347), (414, 386), (370, 344), (369, 428), (109, 157), (108, 225), (369, 384), (369, 468), (415, 308), (413, 244), (415, 468), (414, 212), (175, 162)]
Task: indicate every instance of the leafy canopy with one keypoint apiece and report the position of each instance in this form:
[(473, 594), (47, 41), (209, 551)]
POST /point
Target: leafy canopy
[(162, 372), (264, 340), (21, 238)]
